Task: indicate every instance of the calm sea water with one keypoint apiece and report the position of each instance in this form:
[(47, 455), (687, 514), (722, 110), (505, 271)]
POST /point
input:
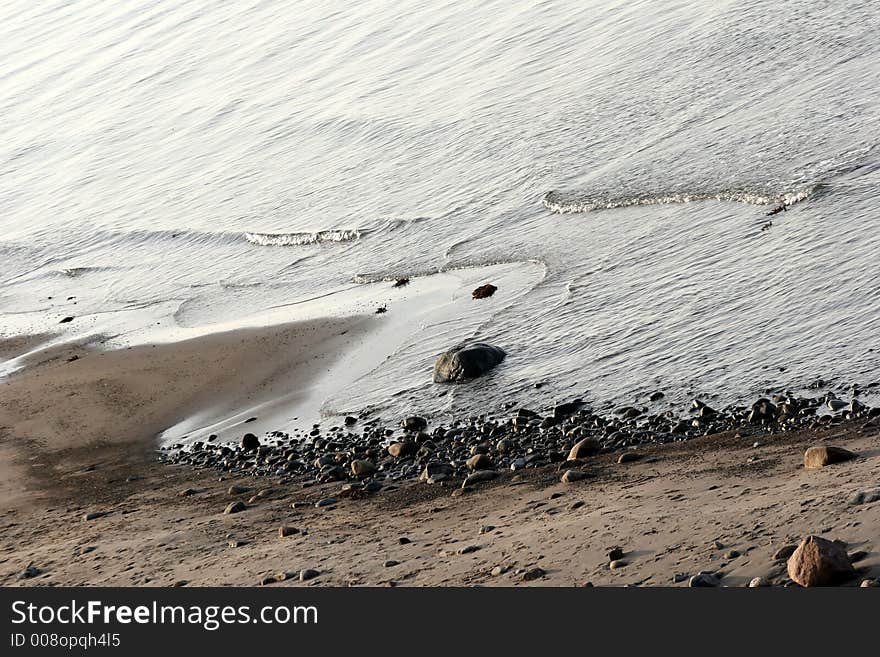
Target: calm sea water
[(190, 162)]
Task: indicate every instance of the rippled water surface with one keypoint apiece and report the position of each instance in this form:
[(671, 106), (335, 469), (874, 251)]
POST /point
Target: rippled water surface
[(203, 160)]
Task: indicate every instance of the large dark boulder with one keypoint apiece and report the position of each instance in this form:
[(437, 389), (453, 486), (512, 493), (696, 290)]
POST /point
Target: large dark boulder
[(466, 361), (249, 442), (763, 412)]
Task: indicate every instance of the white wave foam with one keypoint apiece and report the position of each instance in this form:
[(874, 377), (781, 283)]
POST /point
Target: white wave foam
[(560, 203), (389, 277), (301, 239)]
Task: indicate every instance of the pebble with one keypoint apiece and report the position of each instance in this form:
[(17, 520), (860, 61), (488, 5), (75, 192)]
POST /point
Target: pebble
[(414, 423), (94, 515), (287, 530), (362, 468), (704, 579), (468, 549), (617, 564), (236, 489), (434, 473), (29, 572), (327, 501), (758, 582), (403, 449), (403, 540), (583, 448), (390, 563), (186, 492), (533, 574), (372, 487), (234, 507), (570, 476), (836, 404), (479, 462), (615, 553), (484, 291), (307, 574)]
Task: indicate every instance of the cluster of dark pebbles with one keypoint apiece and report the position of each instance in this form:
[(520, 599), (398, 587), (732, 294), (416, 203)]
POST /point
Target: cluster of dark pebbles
[(367, 454)]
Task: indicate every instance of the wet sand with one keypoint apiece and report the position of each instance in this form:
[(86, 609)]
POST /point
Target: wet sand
[(76, 401), (84, 445)]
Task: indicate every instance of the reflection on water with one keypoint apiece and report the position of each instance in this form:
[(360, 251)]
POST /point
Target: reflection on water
[(207, 161)]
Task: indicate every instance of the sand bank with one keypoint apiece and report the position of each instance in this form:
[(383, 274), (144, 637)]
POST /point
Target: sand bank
[(714, 503), (56, 412)]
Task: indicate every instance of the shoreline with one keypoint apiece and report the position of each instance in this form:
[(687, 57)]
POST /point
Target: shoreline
[(111, 495), (714, 504)]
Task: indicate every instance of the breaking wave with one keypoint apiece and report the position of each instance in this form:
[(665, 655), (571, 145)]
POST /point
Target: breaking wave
[(574, 203), (301, 239)]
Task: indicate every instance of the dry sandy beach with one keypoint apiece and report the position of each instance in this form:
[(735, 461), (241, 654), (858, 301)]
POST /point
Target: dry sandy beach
[(87, 503)]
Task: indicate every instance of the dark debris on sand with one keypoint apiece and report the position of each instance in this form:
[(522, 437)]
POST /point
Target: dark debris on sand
[(378, 453)]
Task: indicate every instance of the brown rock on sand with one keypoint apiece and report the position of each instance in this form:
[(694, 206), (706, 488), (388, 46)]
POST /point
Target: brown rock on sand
[(479, 462), (402, 449), (235, 507), (583, 448), (484, 291), (819, 457), (819, 562), (570, 476), (362, 468)]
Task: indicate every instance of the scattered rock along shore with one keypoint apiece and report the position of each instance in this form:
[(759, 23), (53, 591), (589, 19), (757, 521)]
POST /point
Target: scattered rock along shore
[(364, 453), (723, 510)]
